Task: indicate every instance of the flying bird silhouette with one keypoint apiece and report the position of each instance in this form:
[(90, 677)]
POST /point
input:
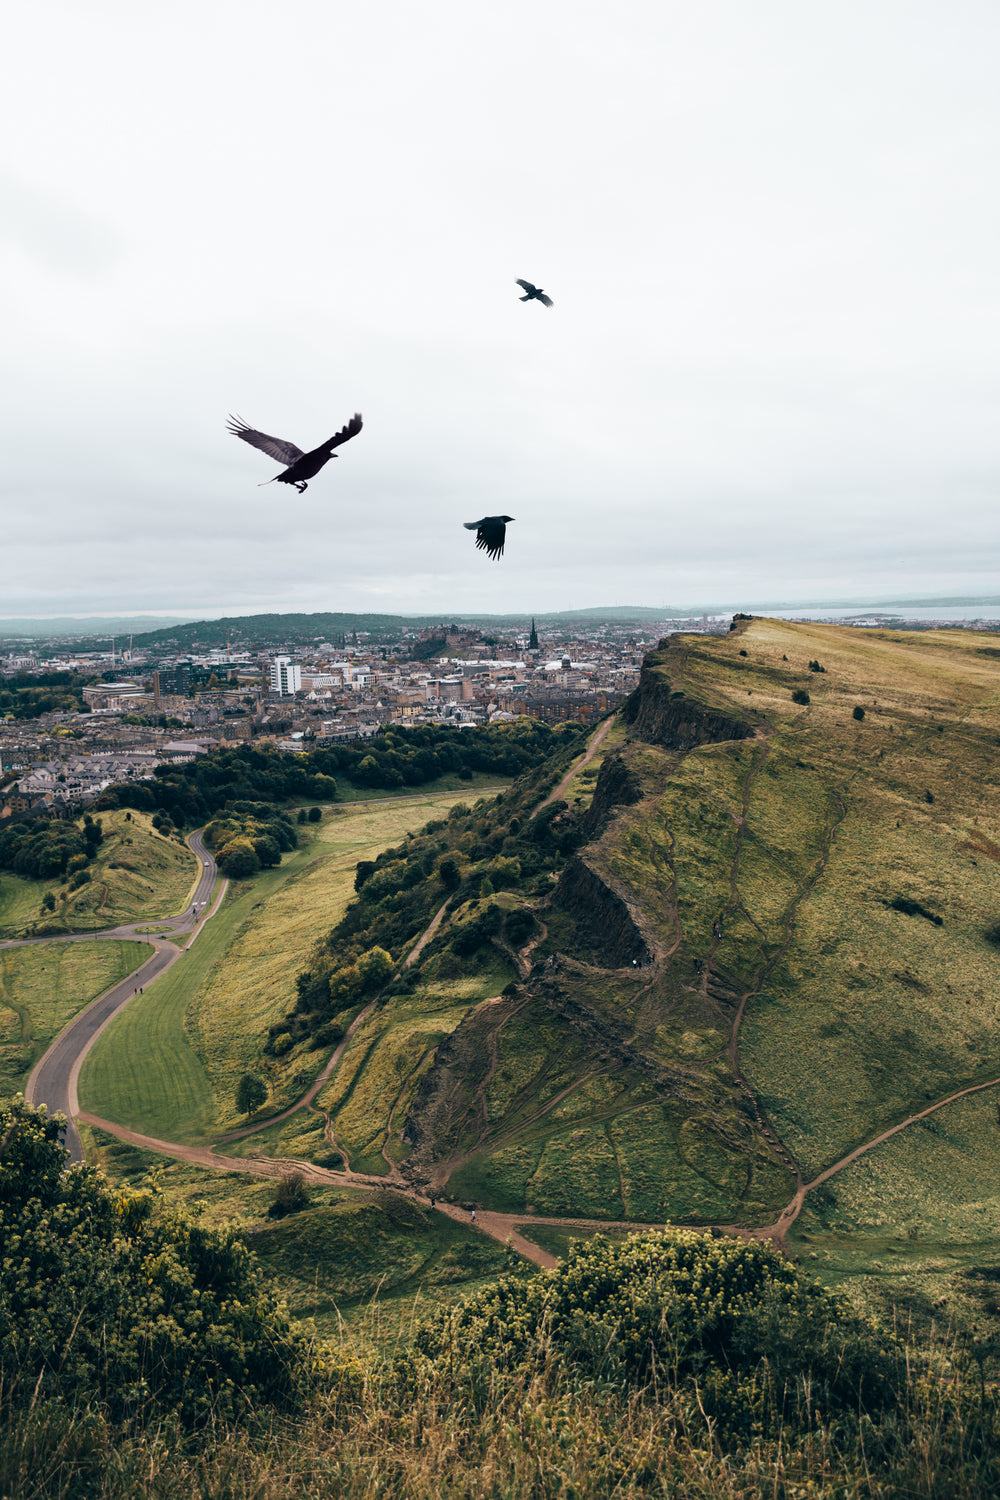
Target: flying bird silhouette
[(301, 466), (491, 532), (533, 292)]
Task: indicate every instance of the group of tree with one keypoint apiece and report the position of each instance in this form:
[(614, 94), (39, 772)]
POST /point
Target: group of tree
[(399, 758), (48, 849), (248, 837), (24, 697), (503, 844)]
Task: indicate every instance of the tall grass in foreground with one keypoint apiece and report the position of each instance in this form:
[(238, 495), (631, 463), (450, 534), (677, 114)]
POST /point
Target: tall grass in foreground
[(518, 1434)]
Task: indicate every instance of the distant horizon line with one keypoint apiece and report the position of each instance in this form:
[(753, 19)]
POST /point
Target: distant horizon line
[(164, 619)]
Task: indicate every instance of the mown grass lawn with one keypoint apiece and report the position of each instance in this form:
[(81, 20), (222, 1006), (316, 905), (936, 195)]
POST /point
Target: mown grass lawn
[(43, 987)]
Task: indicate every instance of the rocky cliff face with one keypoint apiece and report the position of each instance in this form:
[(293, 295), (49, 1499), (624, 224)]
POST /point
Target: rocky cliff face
[(618, 785), (590, 900), (663, 715)]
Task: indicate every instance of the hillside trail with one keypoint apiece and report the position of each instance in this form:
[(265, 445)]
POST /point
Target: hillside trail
[(503, 1227), (595, 742), (305, 1101), (778, 1231)]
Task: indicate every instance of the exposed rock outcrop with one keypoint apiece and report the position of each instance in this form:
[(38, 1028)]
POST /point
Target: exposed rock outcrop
[(618, 785), (607, 916), (662, 714)]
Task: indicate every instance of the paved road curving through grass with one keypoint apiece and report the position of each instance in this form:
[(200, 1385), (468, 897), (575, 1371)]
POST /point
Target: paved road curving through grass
[(54, 1079)]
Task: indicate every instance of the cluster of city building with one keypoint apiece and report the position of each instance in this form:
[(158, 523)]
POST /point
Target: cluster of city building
[(143, 708)]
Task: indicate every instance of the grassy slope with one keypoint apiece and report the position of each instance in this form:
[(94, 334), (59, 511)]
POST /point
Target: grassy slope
[(168, 1065), (867, 1014), (43, 988), (137, 873), (870, 1013), (858, 1014)]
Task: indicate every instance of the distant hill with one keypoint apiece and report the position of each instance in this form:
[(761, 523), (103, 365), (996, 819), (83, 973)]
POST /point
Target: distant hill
[(302, 629)]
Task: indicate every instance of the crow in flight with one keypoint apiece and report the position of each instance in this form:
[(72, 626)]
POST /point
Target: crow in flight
[(533, 291), (491, 533), (301, 466)]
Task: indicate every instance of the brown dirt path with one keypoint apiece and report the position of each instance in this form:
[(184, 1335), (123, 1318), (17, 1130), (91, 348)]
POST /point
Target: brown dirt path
[(779, 1229), (595, 742)]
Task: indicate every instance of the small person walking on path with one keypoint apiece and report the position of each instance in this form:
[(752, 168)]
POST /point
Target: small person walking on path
[(473, 1216), (716, 931)]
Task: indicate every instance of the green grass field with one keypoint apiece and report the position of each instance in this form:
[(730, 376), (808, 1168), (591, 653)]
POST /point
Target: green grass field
[(854, 868), (169, 1064), (136, 873), (42, 988)]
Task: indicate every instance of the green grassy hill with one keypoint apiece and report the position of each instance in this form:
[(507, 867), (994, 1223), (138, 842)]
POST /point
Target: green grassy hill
[(748, 937), (758, 940), (136, 873)]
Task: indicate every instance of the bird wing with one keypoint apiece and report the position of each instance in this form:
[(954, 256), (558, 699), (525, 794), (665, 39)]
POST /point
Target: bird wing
[(277, 448), (351, 430), (527, 286), (546, 300), (491, 536)]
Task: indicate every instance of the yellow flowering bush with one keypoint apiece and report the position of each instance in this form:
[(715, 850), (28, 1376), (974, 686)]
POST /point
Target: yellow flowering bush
[(106, 1298), (669, 1309)]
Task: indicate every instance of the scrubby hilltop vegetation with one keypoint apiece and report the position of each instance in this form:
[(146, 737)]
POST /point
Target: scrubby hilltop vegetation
[(142, 1353)]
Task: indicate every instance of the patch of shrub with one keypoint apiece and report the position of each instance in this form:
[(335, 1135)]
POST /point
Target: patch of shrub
[(328, 1035), (858, 712), (114, 1302), (716, 1314), (290, 1196), (800, 696), (519, 926), (472, 935), (238, 860)]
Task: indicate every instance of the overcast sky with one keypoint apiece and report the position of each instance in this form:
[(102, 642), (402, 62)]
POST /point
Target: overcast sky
[(771, 229)]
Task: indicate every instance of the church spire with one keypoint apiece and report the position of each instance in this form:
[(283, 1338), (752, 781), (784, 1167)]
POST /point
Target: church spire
[(533, 638)]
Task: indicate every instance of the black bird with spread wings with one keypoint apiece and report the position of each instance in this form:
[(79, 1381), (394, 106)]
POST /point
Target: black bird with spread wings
[(533, 292), (301, 466), (491, 532)]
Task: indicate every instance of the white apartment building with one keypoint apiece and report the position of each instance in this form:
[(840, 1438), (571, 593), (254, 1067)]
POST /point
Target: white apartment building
[(286, 676)]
